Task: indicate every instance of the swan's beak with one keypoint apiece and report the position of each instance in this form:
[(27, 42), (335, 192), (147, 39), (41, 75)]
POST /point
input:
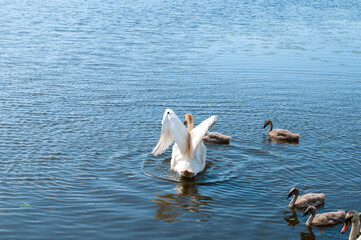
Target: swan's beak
[(345, 227), (289, 195), (265, 126)]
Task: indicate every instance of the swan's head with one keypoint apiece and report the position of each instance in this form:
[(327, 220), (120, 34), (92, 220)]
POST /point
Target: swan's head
[(266, 123), (188, 119), (351, 216), (310, 210), (293, 191)]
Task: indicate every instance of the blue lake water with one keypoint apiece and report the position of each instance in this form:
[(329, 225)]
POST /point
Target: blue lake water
[(84, 85)]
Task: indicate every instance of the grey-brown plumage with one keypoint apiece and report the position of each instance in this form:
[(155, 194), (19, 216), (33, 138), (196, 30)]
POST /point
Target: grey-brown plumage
[(304, 201), (354, 218), (215, 137), (280, 134), (324, 219)]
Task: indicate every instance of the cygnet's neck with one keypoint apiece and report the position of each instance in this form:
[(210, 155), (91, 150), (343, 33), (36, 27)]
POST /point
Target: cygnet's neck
[(270, 127), (293, 201), (310, 219)]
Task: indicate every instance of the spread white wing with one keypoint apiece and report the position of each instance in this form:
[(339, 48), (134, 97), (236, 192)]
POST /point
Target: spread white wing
[(172, 129), (198, 132)]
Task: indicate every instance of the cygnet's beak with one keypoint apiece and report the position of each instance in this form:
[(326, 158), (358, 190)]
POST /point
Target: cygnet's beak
[(265, 126), (304, 214), (185, 122), (289, 195), (346, 225)]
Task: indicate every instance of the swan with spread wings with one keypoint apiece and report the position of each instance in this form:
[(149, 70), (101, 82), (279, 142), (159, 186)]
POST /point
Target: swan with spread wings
[(189, 151)]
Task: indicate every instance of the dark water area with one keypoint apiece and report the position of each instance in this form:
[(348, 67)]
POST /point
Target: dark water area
[(84, 85)]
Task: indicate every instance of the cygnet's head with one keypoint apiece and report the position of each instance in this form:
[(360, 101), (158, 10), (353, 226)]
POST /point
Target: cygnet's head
[(310, 210), (266, 122), (293, 191)]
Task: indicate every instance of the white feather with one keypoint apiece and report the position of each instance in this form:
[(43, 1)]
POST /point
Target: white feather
[(198, 132), (172, 129)]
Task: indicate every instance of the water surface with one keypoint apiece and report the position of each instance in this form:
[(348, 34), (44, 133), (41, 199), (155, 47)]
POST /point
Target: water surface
[(84, 85)]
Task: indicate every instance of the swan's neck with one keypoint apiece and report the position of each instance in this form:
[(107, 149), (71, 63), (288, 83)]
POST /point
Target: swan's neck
[(293, 201), (270, 127), (190, 126), (310, 219), (354, 230)]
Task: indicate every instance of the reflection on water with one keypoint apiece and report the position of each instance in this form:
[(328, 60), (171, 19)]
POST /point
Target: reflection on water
[(309, 235), (291, 217), (279, 141), (267, 139), (185, 199)]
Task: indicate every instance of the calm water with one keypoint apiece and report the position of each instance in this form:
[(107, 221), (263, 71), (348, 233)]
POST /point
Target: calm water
[(84, 85)]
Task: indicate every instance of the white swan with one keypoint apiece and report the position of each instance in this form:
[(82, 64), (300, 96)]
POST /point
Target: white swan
[(189, 152), (353, 218)]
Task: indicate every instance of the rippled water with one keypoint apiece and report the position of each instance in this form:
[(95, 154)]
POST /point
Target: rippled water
[(84, 85)]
